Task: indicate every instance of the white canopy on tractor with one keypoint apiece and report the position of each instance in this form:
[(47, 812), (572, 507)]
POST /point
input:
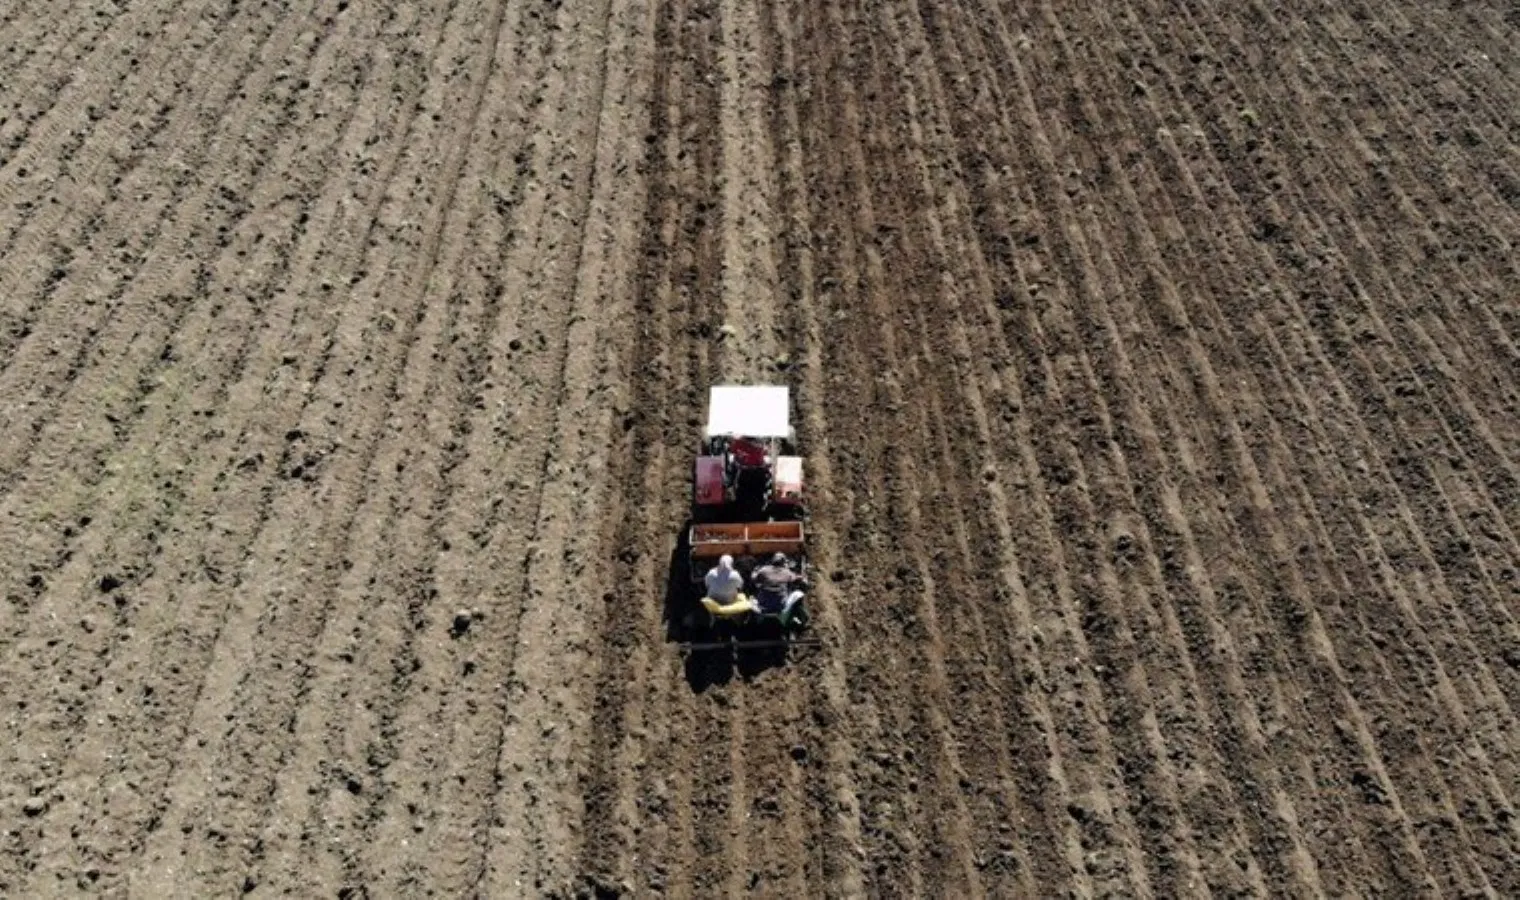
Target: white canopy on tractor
[(749, 411)]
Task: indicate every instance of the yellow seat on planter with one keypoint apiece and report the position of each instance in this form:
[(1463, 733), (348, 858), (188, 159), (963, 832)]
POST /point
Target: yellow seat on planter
[(738, 607)]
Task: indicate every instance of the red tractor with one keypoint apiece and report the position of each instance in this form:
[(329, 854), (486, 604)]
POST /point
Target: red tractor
[(747, 552), (746, 469)]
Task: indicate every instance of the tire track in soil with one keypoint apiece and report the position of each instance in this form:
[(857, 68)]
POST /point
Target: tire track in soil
[(1438, 82), (830, 802), (43, 350), (1410, 195), (456, 820), (953, 620), (339, 781), (639, 680), (565, 553), (432, 577), (630, 686), (669, 477), (706, 757), (62, 150), (66, 94), (179, 633), (27, 32), (1108, 865), (1176, 712), (139, 545), (616, 265), (1406, 194), (291, 462), (155, 288), (1102, 256), (391, 457), (32, 80), (1227, 581), (1351, 633), (685, 780), (213, 561), (1453, 142), (172, 117), (1107, 490), (654, 796), (121, 319), (1432, 539), (767, 840), (420, 326)]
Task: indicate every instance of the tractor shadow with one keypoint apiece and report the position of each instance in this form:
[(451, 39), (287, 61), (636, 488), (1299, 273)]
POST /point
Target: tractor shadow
[(684, 620)]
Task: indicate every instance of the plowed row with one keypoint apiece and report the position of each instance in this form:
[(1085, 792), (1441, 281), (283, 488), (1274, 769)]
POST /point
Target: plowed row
[(1156, 363)]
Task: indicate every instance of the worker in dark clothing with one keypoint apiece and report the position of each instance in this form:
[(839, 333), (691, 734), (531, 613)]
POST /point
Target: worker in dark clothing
[(778, 590)]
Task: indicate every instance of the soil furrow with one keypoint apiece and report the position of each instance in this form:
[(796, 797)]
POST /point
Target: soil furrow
[(1370, 255), (263, 353), (671, 361), (1173, 726), (1153, 363), (916, 745), (154, 356), (191, 396), (131, 561), (45, 53), (770, 718), (65, 159), (325, 352), (1100, 329), (71, 319), (1107, 626), (1343, 340), (210, 565), (565, 567), (824, 764), (346, 773), (1417, 531), (623, 815), (110, 68)]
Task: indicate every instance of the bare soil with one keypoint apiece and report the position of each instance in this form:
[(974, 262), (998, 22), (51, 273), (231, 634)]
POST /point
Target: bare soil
[(1157, 364)]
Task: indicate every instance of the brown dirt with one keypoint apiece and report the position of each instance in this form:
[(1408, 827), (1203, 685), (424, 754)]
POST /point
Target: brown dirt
[(1156, 363)]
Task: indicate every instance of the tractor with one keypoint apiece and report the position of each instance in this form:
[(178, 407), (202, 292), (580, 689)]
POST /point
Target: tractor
[(747, 506)]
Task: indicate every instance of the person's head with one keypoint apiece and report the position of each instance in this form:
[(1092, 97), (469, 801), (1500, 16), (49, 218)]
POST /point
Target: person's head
[(725, 562), (778, 559)]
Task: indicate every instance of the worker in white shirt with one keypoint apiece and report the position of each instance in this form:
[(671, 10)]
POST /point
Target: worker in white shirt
[(725, 587)]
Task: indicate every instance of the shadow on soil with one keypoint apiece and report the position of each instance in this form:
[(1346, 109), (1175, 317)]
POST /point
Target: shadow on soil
[(685, 621)]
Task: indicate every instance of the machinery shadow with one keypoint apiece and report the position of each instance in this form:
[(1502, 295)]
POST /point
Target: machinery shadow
[(679, 591)]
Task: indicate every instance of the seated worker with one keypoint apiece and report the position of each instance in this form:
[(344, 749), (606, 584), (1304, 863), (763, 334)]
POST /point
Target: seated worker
[(747, 469), (725, 585), (778, 590)]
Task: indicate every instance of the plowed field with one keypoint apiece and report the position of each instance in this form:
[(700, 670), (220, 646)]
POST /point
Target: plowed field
[(1157, 364)]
